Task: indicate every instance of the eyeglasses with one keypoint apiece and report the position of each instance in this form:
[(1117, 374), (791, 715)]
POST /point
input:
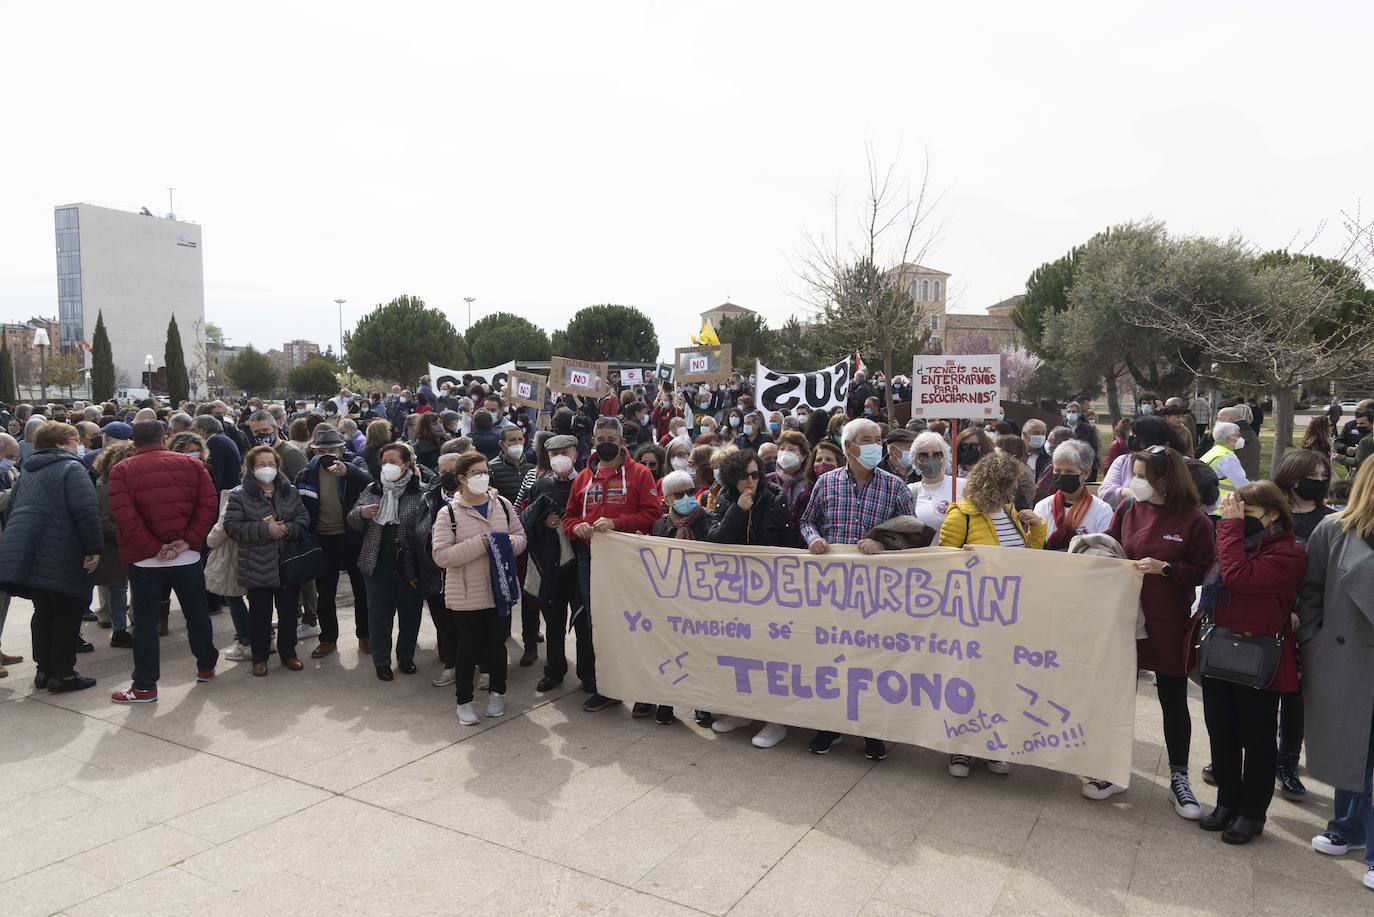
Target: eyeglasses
[(930, 455), (753, 475)]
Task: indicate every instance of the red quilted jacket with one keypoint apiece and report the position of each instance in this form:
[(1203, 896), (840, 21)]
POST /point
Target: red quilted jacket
[(158, 496)]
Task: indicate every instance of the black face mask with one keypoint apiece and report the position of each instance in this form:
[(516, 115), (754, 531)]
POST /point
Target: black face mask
[(1253, 526), (448, 481), (607, 452), (969, 454), (1309, 489), (1068, 483)]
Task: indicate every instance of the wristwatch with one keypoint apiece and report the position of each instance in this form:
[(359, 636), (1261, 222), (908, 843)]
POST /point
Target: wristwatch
[(1168, 569)]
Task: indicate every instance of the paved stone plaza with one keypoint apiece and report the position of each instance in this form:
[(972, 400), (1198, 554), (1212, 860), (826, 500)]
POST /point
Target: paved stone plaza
[(330, 792)]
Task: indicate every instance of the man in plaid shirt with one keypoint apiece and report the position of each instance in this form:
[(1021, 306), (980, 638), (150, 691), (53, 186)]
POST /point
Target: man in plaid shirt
[(845, 506)]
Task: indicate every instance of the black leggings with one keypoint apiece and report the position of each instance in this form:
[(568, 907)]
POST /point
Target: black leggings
[(1291, 723), (1178, 724)]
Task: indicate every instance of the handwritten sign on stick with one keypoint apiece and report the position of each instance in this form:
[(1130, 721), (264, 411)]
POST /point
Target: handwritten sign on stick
[(577, 377), (526, 389), (702, 364), (1016, 655), (956, 385)]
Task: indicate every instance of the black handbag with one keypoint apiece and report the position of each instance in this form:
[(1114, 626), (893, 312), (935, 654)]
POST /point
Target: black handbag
[(302, 560), (1242, 659)]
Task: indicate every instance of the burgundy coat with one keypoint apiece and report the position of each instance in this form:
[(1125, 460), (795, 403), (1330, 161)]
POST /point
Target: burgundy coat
[(1263, 587), (158, 496)]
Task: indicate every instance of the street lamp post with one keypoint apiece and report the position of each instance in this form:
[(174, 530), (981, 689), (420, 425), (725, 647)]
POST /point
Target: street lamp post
[(40, 340), (469, 300), (148, 383), (212, 384), (339, 303)]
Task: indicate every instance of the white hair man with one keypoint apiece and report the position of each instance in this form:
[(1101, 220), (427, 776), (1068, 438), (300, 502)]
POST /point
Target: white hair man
[(846, 504), (1222, 458)]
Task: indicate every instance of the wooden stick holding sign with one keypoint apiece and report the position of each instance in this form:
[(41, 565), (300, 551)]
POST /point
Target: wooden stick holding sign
[(703, 364), (526, 389), (577, 377)]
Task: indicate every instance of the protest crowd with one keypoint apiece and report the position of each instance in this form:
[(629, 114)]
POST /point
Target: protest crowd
[(450, 498)]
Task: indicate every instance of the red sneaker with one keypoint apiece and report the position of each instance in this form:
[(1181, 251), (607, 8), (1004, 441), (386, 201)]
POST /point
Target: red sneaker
[(133, 695), (204, 675)]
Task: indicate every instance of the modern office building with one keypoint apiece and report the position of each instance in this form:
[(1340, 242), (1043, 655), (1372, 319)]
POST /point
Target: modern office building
[(139, 269)]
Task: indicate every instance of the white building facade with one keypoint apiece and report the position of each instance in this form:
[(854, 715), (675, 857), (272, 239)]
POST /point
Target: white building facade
[(139, 270)]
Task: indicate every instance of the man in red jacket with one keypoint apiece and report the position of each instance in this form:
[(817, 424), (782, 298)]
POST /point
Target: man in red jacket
[(613, 493), (163, 504)]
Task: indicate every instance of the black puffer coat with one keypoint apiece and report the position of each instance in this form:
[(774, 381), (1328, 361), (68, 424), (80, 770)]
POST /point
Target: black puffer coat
[(244, 521), (53, 525), (767, 523)]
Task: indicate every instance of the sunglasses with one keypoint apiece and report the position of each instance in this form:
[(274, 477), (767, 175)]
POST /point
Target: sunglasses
[(1156, 450), (930, 455), (752, 475)]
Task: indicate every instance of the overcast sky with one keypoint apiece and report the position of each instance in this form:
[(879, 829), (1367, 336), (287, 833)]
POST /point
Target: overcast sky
[(545, 156)]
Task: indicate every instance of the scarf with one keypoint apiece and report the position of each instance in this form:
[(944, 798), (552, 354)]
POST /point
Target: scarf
[(1213, 592), (1066, 523), (390, 513), (505, 587), (684, 523)]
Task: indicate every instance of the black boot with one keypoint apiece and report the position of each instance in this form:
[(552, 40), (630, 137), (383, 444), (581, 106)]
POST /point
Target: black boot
[(1290, 787), (1243, 830), (1219, 819)]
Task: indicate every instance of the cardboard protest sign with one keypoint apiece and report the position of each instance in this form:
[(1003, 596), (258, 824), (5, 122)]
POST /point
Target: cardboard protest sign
[(664, 371), (577, 377), (632, 377), (702, 364), (1017, 655), (956, 386), (495, 376), (526, 389), (820, 390)]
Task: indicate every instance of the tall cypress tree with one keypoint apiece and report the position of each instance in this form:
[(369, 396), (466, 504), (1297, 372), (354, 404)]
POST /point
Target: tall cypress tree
[(178, 382), (102, 363), (7, 393)]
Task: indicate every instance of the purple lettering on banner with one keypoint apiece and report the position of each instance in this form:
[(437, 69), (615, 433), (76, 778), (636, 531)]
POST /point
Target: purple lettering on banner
[(861, 591), (959, 597), (892, 687), (827, 579), (886, 591), (786, 571), (742, 666), (859, 679), (824, 676), (798, 688), (758, 580), (667, 579), (993, 598), (728, 582), (699, 577), (922, 602), (776, 672)]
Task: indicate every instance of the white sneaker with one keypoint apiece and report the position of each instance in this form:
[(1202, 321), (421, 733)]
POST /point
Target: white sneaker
[(306, 631), (467, 715), (446, 677), (483, 681), (1369, 878), (999, 767), (729, 723), (1185, 803), (1101, 789), (960, 765), (239, 652), (770, 735), (496, 704)]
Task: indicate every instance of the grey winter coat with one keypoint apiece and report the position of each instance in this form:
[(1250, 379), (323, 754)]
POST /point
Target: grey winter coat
[(53, 525), (412, 507), (1336, 646), (245, 522)]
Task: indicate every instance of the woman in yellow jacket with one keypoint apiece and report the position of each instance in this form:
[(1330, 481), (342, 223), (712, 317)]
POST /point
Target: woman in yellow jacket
[(986, 515)]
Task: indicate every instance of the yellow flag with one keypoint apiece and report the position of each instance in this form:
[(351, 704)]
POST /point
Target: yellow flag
[(707, 336)]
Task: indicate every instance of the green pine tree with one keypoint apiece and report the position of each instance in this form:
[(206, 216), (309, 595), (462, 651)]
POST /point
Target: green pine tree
[(7, 392), (178, 382), (102, 363)]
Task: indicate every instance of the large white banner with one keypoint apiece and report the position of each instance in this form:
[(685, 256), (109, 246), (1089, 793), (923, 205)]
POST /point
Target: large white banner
[(955, 386), (1017, 655), (820, 390), (495, 376)]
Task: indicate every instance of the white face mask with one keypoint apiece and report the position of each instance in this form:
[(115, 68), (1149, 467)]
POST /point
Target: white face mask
[(560, 464), (1142, 489), (788, 460), (1240, 442), (478, 483), (679, 463), (392, 473), (516, 453), (266, 474)]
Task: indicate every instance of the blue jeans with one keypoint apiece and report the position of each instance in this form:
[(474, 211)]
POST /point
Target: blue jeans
[(147, 586), (584, 585), (115, 601), (387, 599), (1354, 819), (238, 613)]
